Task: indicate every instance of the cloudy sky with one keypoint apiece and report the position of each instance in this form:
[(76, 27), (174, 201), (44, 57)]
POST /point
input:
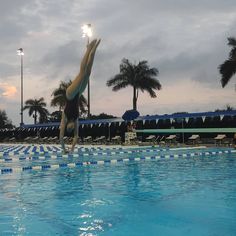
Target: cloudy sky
[(185, 39)]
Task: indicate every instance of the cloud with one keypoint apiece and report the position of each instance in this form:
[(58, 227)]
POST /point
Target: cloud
[(7, 70), (7, 90), (186, 41)]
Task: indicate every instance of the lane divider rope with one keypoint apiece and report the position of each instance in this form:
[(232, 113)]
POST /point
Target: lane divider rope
[(41, 150), (55, 155), (73, 155), (113, 161)]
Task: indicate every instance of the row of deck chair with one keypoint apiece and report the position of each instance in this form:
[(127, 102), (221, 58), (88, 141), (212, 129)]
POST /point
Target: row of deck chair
[(67, 140), (218, 140), (153, 139), (33, 140), (150, 140), (41, 140), (193, 139), (102, 140)]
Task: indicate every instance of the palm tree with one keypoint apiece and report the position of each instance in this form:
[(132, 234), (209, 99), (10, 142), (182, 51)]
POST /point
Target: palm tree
[(36, 106), (4, 121), (59, 97), (139, 76), (228, 68), (56, 116)]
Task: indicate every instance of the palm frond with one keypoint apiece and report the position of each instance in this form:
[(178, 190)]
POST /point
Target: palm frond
[(117, 79), (29, 102), (232, 54), (232, 41), (41, 100), (26, 107), (120, 86), (227, 70), (151, 92)]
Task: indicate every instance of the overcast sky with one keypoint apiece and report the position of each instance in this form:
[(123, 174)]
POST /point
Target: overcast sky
[(185, 39)]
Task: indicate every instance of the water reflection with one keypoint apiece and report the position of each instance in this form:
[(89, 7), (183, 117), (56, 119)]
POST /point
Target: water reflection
[(100, 200)]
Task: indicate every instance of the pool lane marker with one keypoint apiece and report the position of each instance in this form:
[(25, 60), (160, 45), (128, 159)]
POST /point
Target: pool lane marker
[(45, 149), (83, 152), (103, 162), (34, 156)]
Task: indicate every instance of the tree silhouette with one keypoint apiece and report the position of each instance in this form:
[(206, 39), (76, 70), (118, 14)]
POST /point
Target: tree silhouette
[(35, 107), (228, 68), (59, 97), (140, 77)]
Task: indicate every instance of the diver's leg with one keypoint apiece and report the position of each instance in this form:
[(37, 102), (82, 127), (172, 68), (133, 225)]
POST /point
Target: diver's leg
[(89, 68), (74, 88)]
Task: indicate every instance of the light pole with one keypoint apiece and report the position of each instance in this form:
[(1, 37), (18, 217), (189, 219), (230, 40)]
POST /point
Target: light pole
[(87, 32), (20, 52)]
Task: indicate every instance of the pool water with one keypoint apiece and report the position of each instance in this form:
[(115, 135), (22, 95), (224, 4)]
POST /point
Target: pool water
[(178, 196)]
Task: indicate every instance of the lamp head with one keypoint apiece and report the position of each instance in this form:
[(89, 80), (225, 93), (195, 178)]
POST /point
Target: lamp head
[(20, 52)]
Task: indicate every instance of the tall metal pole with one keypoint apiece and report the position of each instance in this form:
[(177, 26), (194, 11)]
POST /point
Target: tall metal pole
[(87, 31), (88, 91), (21, 53), (22, 120)]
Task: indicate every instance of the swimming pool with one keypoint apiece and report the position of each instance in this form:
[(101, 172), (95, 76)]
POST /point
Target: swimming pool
[(117, 191)]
